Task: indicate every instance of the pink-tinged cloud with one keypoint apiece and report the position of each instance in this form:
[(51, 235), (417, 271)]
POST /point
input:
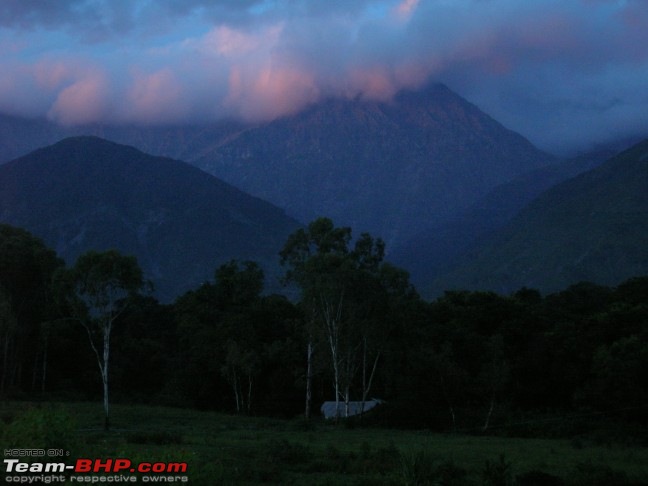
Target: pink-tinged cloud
[(412, 74), (406, 8), (87, 100), (269, 92), (230, 42), (374, 83), (51, 75), (153, 98), (20, 92)]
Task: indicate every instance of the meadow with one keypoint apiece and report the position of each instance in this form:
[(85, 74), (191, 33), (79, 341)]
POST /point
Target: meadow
[(226, 449)]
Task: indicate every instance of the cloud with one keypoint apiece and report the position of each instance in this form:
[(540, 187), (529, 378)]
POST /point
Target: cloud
[(261, 94), (406, 8), (552, 69), (86, 100), (155, 96)]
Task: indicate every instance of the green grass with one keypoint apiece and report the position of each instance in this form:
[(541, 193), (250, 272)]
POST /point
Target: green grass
[(223, 449)]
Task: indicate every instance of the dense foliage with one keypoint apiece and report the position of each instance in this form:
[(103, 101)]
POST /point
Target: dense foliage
[(523, 363)]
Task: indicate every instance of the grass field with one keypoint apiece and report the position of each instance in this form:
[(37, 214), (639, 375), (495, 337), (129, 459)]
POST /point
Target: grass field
[(223, 449)]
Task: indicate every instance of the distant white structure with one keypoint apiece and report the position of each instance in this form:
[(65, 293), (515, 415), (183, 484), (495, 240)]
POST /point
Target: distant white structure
[(355, 408)]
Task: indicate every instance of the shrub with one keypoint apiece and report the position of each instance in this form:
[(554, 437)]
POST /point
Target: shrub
[(418, 469), (159, 437), (449, 474), (538, 478), (497, 473), (41, 428), (286, 452), (588, 474)]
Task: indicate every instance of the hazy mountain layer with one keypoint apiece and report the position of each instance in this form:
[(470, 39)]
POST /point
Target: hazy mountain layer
[(593, 227), (437, 248)]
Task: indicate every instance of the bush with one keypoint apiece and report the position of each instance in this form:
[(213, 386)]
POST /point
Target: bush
[(497, 473), (538, 478), (597, 475), (302, 424), (285, 452), (418, 469), (449, 474), (421, 469), (161, 437), (41, 428)]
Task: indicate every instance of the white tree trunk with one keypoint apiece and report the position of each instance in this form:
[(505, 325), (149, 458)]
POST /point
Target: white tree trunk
[(102, 362), (104, 374), (332, 319), (490, 412), (309, 378)]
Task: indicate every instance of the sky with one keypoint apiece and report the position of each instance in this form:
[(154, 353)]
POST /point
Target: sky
[(566, 74)]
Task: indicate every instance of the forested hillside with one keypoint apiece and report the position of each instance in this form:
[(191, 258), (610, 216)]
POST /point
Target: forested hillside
[(469, 361)]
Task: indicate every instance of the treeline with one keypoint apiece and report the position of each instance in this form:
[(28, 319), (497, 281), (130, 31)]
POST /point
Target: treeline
[(468, 361)]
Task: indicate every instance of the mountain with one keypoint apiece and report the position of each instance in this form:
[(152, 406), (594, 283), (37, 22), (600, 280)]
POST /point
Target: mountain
[(391, 168), (593, 227), (19, 136), (436, 249), (87, 193)]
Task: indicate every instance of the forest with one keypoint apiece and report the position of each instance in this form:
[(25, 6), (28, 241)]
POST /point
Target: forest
[(354, 328)]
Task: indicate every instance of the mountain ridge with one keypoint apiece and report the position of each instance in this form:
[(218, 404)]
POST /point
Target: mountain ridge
[(88, 193)]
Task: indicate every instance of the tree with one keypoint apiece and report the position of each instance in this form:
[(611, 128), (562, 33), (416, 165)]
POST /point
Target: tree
[(7, 331), (315, 258), (99, 288), (144, 351), (494, 373), (238, 290), (236, 343), (618, 383), (26, 270), (346, 292)]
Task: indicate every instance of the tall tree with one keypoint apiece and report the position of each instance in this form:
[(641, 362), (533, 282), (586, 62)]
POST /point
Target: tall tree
[(235, 342), (238, 290), (99, 288), (26, 269), (346, 292), (7, 333), (314, 258)]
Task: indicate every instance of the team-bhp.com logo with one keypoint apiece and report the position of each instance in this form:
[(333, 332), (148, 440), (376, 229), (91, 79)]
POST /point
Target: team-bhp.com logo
[(85, 470)]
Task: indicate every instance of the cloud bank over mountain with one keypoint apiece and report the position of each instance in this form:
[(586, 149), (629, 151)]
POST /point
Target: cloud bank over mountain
[(563, 73)]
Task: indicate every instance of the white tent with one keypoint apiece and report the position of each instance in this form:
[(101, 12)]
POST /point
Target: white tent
[(355, 408)]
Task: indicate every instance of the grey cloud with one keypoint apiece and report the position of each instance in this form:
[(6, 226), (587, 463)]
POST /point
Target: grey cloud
[(34, 13)]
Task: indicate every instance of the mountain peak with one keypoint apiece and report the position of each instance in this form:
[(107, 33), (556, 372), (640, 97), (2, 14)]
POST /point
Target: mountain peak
[(390, 168)]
